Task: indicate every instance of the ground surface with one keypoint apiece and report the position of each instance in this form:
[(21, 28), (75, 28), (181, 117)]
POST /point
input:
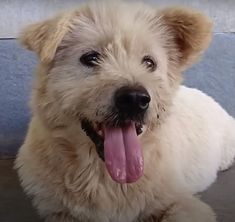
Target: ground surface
[(16, 207)]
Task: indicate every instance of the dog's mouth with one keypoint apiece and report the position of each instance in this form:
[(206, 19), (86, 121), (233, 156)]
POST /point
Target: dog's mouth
[(119, 147)]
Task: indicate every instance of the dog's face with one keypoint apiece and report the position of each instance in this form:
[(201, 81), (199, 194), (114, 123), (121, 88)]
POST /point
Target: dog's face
[(114, 66)]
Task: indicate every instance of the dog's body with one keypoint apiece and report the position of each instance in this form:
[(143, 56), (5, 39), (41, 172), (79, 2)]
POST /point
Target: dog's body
[(187, 136)]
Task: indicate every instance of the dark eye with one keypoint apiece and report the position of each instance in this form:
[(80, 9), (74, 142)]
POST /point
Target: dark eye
[(150, 63), (90, 59)]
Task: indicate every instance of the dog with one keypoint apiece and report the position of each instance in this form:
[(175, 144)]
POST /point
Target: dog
[(114, 136)]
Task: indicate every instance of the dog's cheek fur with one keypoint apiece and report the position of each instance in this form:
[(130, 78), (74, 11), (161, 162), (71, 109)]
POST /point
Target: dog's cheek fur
[(77, 96), (43, 103)]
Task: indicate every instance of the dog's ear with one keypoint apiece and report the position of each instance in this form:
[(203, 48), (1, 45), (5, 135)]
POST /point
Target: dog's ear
[(190, 33), (44, 37)]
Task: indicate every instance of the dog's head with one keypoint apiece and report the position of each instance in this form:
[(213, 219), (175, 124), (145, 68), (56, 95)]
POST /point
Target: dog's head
[(113, 67)]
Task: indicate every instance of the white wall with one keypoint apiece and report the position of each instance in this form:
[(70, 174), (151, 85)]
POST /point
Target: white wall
[(17, 13)]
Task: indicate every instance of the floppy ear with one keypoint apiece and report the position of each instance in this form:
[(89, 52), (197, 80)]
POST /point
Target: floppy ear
[(44, 37), (190, 33)]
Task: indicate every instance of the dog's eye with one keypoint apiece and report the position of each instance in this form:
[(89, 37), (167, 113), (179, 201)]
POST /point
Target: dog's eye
[(90, 59), (149, 62)]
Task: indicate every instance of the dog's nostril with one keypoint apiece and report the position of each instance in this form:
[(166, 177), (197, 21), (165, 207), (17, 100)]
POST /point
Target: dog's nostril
[(132, 100), (144, 100)]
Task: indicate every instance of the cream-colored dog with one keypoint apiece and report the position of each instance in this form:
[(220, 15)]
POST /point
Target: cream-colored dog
[(113, 136)]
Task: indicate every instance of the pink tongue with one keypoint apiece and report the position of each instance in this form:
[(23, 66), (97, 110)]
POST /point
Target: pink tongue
[(122, 152)]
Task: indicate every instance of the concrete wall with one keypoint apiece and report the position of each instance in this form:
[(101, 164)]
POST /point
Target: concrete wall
[(16, 13)]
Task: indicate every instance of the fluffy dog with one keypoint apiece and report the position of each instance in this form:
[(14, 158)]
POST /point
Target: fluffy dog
[(113, 135)]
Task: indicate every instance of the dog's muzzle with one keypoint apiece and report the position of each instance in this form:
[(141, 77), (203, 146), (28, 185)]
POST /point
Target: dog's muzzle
[(130, 104), (116, 137)]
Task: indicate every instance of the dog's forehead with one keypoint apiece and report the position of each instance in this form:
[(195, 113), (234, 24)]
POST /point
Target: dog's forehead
[(119, 24)]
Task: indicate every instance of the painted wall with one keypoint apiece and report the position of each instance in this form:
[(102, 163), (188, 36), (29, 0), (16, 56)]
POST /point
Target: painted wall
[(17, 13)]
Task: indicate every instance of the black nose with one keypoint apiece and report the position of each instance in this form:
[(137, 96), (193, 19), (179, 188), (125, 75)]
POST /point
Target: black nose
[(132, 100)]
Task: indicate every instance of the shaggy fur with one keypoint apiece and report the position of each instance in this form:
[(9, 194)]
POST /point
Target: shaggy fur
[(187, 136)]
